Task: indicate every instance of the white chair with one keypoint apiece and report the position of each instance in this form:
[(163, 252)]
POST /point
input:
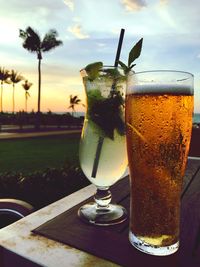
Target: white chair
[(12, 210)]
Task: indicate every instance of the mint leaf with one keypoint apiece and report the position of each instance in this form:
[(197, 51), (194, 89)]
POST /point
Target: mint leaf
[(112, 72), (124, 67), (131, 66), (135, 52), (93, 70), (107, 113)]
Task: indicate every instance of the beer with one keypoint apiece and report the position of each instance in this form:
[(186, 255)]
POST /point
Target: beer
[(159, 123)]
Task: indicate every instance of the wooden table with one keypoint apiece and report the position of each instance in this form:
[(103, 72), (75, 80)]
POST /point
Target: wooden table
[(20, 248)]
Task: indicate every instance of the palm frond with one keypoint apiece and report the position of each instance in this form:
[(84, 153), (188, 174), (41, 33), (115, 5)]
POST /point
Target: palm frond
[(72, 107), (32, 41), (26, 85), (15, 77), (74, 99), (49, 42), (4, 74)]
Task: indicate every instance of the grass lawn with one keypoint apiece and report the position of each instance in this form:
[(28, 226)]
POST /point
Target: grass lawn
[(38, 153)]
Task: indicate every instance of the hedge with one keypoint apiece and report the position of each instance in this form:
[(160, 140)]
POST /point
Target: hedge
[(41, 188)]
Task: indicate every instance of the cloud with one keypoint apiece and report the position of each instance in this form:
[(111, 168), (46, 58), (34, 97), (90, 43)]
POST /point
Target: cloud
[(69, 4), (77, 31), (101, 44), (169, 20), (133, 5), (163, 2), (76, 19)]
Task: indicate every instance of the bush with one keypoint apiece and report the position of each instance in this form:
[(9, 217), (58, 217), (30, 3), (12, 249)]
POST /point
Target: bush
[(42, 187), (22, 118)]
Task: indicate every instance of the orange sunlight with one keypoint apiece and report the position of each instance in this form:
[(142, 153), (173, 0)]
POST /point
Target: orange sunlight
[(55, 93)]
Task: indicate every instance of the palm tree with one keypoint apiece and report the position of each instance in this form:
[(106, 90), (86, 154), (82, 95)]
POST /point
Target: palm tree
[(15, 77), (26, 85), (4, 75), (74, 101), (34, 44)]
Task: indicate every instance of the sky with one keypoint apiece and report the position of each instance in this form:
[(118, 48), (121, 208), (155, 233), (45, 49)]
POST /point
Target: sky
[(90, 30)]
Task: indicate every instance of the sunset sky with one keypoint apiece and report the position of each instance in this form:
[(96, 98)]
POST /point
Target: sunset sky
[(90, 30)]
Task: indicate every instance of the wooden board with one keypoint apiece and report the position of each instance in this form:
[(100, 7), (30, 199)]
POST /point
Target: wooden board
[(112, 242)]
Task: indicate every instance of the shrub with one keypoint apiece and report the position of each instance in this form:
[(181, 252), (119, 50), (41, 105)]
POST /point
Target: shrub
[(42, 187), (22, 118)]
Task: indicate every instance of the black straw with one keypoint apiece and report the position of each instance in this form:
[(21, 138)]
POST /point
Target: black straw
[(97, 156), (101, 139), (119, 48)]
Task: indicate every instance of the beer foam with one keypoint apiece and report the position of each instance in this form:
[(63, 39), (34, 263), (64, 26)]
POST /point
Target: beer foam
[(161, 89)]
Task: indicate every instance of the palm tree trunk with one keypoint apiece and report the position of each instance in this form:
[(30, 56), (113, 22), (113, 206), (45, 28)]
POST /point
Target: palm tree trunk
[(25, 102), (1, 97), (38, 116), (39, 83), (13, 99)]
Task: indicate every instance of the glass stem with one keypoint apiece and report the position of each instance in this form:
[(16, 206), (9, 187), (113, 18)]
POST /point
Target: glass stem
[(102, 197)]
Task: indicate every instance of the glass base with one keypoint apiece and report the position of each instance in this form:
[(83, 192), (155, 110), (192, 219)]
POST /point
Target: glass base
[(104, 216), (152, 249)]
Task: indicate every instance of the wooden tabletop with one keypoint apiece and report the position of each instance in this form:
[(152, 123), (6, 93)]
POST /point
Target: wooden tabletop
[(19, 247)]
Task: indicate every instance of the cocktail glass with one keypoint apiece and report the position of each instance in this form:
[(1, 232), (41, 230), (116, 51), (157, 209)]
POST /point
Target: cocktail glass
[(102, 150), (159, 107)]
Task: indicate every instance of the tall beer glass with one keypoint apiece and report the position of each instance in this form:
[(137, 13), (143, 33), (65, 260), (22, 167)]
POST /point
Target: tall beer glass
[(159, 107)]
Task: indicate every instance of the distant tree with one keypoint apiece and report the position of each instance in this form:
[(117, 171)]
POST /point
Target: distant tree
[(34, 44), (74, 101), (4, 78), (15, 77), (26, 85)]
